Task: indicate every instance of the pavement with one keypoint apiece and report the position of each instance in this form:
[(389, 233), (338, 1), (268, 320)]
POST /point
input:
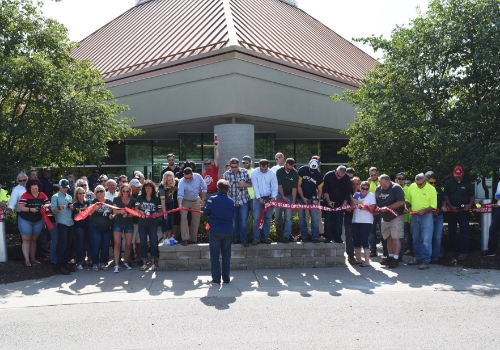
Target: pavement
[(88, 287)]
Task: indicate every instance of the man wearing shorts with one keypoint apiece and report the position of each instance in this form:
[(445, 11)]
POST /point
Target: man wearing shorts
[(390, 195)]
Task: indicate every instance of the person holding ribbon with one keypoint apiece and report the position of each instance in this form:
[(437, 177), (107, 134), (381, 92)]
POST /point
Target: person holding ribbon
[(147, 204), (80, 204), (391, 203), (62, 207), (168, 196), (362, 221), (123, 224), (30, 221), (100, 229)]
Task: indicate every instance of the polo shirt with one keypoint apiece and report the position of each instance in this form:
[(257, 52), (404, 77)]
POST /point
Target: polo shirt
[(65, 216), (422, 198), (288, 181), (458, 193)]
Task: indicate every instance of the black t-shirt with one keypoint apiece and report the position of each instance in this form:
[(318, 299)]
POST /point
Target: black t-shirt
[(175, 171), (388, 197), (458, 193), (339, 190)]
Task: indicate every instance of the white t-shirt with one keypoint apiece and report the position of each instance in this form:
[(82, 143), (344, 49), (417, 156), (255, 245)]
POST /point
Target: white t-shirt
[(363, 216)]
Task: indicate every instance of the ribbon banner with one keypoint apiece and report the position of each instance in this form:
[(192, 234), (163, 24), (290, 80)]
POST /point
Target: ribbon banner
[(485, 208), (84, 214)]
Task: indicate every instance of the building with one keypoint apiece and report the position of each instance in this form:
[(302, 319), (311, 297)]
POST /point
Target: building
[(185, 67)]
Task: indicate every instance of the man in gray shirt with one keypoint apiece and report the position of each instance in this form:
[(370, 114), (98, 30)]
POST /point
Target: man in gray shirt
[(188, 196)]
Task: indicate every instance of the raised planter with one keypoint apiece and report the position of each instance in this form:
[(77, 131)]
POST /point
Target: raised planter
[(261, 256)]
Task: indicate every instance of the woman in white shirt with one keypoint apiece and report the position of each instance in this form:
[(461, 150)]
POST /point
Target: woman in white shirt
[(362, 221)]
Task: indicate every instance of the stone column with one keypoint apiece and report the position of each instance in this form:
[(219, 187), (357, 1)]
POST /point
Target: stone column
[(235, 140)]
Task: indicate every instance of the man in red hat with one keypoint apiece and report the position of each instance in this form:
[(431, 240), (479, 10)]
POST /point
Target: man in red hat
[(459, 195)]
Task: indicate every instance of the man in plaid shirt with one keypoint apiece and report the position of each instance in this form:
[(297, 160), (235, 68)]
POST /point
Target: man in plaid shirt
[(239, 181)]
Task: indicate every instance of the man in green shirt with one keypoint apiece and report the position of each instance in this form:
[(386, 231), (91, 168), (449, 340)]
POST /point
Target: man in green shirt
[(288, 179), (459, 195)]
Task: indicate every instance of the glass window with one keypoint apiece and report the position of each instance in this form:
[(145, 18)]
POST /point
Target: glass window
[(139, 152), (163, 147), (329, 151), (208, 146), (305, 149), (116, 153), (264, 146), (287, 147), (190, 147)]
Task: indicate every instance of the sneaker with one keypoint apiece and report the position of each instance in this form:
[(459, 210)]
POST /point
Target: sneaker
[(60, 270), (351, 260), (408, 252), (267, 241), (79, 267), (450, 255), (166, 242), (462, 257), (394, 263), (95, 268), (387, 261), (127, 266), (245, 244), (373, 254), (487, 253), (415, 262), (154, 267), (423, 266), (116, 269), (315, 240), (162, 241), (339, 241), (434, 262), (327, 240), (144, 267), (255, 242), (71, 267), (285, 240)]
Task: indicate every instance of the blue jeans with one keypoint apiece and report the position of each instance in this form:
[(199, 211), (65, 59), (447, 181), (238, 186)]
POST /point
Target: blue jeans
[(220, 244), (53, 244), (266, 228), (334, 221), (314, 222), (81, 236), (288, 216), (436, 236), (144, 233), (360, 234), (493, 232), (240, 223), (28, 228), (461, 218), (423, 227), (64, 243), (100, 244)]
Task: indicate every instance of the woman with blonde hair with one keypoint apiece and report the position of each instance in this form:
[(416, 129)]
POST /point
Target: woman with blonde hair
[(168, 197), (100, 229)]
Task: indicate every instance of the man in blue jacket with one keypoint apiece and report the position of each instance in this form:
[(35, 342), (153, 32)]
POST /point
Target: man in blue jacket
[(220, 210)]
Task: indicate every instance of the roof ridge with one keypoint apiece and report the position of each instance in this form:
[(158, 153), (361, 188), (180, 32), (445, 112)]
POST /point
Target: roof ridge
[(231, 29)]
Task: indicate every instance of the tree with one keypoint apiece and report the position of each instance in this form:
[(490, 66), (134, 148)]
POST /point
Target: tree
[(54, 110), (434, 102)]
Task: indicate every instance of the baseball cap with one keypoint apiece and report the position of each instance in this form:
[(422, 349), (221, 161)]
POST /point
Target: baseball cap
[(313, 164), (247, 159), (458, 171), (135, 183), (64, 183)]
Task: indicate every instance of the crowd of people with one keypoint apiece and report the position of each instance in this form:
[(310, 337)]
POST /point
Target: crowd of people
[(409, 214)]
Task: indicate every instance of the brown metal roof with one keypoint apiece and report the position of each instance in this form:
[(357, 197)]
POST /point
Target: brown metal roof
[(160, 31)]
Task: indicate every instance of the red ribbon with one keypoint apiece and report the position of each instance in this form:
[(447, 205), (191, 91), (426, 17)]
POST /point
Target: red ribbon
[(45, 218), (84, 214)]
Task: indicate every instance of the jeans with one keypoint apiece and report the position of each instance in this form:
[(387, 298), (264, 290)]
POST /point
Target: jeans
[(423, 227), (144, 233), (349, 240), (240, 223), (314, 222), (266, 228), (100, 244), (53, 244), (81, 236), (377, 220), (28, 228), (408, 236), (360, 234), (278, 216), (436, 236), (166, 224), (493, 232), (333, 225), (288, 216), (64, 242), (220, 244), (461, 218)]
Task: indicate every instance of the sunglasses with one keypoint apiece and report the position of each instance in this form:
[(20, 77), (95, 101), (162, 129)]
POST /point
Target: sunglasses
[(126, 191), (22, 180), (207, 163), (83, 185), (81, 193), (234, 167), (401, 179), (432, 182), (245, 162), (365, 188), (100, 191)]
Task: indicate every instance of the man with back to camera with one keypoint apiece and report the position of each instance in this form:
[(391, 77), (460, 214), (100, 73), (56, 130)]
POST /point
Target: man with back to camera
[(220, 211)]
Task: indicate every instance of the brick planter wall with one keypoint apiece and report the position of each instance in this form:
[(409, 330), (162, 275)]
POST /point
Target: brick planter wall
[(262, 256)]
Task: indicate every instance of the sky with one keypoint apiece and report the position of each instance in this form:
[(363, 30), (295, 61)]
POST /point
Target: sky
[(350, 19)]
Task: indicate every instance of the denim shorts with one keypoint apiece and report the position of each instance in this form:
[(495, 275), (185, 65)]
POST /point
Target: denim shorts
[(28, 228), (123, 228)]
